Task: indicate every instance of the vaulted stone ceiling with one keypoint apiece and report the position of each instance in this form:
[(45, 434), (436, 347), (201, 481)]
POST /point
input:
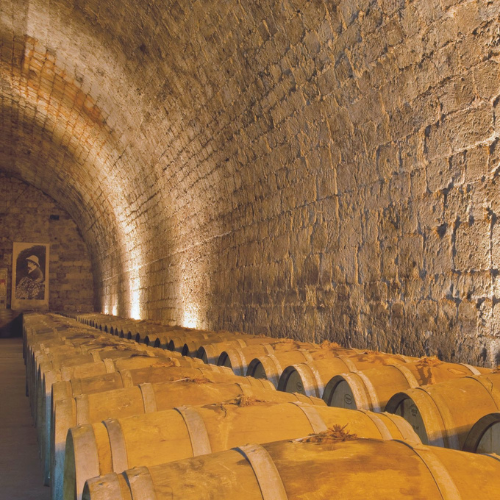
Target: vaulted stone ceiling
[(321, 169)]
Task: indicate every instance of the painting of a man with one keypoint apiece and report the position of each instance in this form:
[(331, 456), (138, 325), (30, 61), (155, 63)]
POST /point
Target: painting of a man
[(32, 286), (30, 276)]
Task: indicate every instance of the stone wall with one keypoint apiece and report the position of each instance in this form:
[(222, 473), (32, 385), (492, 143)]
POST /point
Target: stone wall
[(28, 215), (305, 168)]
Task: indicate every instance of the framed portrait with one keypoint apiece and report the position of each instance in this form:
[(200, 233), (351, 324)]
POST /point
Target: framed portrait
[(30, 276), (3, 288)]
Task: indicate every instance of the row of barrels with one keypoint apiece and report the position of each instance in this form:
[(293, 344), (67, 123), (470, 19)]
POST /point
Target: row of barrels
[(442, 415), (103, 405), (133, 417)]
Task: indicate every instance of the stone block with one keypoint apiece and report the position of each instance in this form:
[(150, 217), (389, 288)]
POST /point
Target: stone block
[(472, 246)]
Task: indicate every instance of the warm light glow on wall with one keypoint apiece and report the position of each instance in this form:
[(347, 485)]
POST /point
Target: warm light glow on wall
[(135, 294), (190, 318)]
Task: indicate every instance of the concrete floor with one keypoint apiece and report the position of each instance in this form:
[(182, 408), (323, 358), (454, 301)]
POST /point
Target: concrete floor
[(20, 465)]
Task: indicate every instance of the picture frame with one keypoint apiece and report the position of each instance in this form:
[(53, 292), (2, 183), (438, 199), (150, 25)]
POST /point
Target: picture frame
[(30, 276)]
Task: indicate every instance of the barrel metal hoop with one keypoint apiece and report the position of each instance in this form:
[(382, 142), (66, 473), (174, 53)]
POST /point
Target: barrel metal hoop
[(350, 364), (117, 444), (406, 359), (319, 381), (447, 418), (357, 389), (408, 375), (85, 447), (109, 365), (490, 389), (141, 484), (279, 370), (210, 354), (309, 382), (242, 366), (148, 398), (382, 428), (403, 426), (82, 409), (472, 369), (433, 421), (444, 482), (197, 431), (317, 423), (268, 348), (126, 378), (268, 477), (307, 355), (494, 456), (95, 356), (241, 342), (107, 485), (76, 386), (371, 392), (245, 389)]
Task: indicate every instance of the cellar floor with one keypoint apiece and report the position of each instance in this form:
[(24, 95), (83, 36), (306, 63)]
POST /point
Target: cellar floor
[(20, 465)]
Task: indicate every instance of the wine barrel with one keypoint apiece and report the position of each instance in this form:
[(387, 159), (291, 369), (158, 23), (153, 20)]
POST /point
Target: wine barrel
[(147, 398), (133, 377), (38, 349), (443, 414), (44, 393), (271, 366), (209, 353), (311, 377), (116, 445), (50, 362), (371, 389), (484, 437), (320, 468), (177, 342), (237, 358), (192, 344), (162, 339), (136, 375)]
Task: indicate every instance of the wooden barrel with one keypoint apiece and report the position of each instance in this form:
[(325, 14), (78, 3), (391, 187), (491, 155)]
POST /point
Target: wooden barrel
[(162, 339), (484, 437), (142, 332), (134, 376), (192, 345), (318, 468), (271, 366), (443, 414), (311, 377), (209, 353), (48, 362), (371, 389), (177, 341), (147, 398), (238, 358), (116, 445), (48, 376), (37, 349)]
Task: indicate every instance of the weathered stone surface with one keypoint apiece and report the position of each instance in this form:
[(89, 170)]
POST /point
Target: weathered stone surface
[(312, 169), (25, 216)]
